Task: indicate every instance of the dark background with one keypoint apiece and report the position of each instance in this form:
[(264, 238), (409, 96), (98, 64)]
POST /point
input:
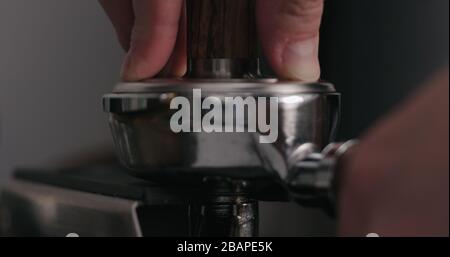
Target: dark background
[(57, 57), (377, 51)]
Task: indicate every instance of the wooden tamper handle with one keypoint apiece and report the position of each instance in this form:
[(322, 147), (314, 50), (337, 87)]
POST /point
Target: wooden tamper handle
[(221, 39)]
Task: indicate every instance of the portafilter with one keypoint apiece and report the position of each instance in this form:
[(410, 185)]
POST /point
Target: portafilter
[(222, 134)]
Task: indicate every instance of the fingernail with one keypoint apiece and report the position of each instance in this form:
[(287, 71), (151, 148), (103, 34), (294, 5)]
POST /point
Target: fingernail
[(129, 69), (300, 60)]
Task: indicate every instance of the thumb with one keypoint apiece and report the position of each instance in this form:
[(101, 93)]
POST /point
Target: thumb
[(289, 32)]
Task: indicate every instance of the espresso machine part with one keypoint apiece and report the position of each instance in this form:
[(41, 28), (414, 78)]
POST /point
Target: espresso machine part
[(103, 200), (198, 183), (223, 63)]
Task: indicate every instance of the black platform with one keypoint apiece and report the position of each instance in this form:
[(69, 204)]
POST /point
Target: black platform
[(113, 180)]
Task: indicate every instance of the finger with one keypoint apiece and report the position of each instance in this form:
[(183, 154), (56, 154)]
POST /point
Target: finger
[(177, 64), (120, 13), (289, 32), (152, 39)]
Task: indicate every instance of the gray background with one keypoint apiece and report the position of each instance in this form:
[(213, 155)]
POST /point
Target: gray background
[(57, 57)]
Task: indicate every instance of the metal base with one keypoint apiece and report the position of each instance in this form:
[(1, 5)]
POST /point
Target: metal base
[(36, 209), (30, 209)]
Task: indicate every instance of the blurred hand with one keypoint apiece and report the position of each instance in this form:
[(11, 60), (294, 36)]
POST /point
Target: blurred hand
[(149, 31), (397, 180)]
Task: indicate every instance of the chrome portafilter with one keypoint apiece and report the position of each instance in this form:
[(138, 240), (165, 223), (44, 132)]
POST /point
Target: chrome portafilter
[(227, 128)]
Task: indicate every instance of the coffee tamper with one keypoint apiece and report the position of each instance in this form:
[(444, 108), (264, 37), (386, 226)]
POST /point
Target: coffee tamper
[(234, 169)]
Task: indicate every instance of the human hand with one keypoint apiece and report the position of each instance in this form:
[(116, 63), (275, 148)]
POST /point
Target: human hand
[(396, 182), (155, 43)]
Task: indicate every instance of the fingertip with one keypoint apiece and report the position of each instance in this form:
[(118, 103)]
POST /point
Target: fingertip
[(138, 66), (300, 61), (153, 38), (129, 70), (289, 34)]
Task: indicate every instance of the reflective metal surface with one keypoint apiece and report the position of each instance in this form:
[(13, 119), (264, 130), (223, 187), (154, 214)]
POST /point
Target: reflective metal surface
[(139, 116), (313, 178), (29, 208), (223, 68), (227, 216)]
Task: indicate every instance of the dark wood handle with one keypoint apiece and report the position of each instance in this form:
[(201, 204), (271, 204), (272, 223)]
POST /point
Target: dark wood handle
[(221, 29)]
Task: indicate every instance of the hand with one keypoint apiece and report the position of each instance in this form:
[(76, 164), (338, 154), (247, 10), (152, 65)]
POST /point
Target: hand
[(149, 31), (397, 180)]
